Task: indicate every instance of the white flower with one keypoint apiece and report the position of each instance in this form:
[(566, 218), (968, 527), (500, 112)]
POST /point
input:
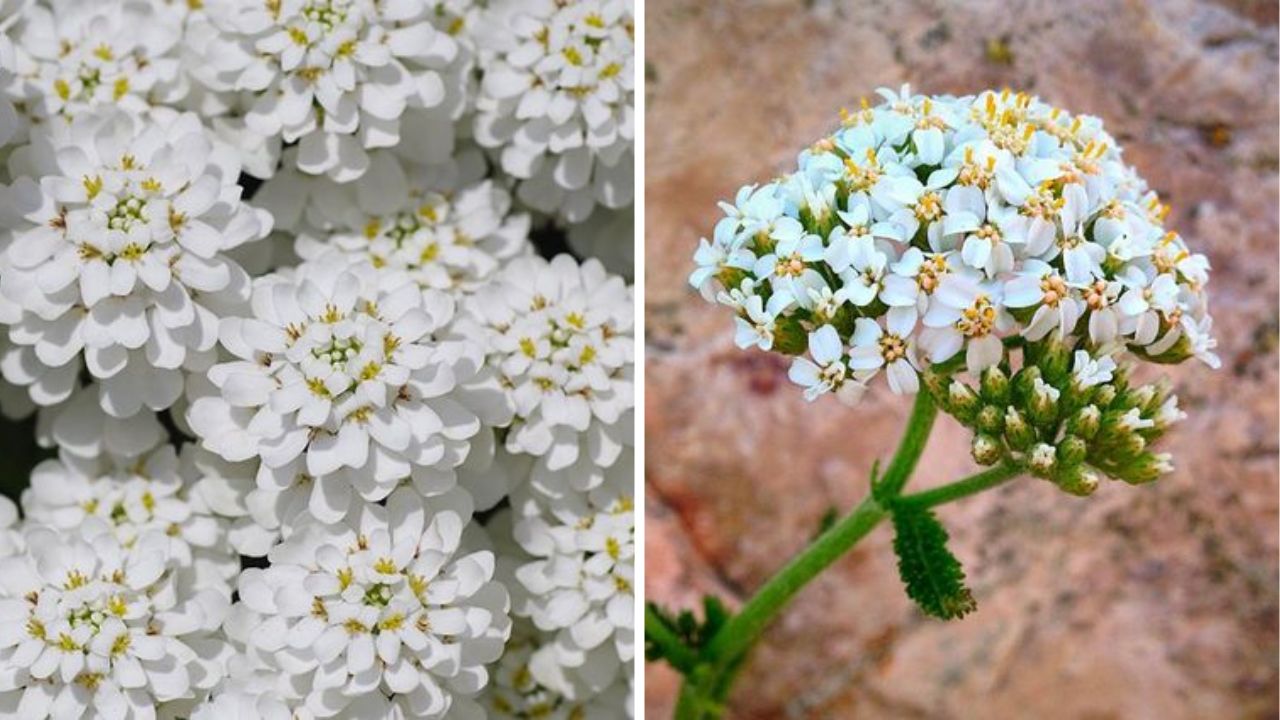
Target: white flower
[(1038, 285), (438, 241), (342, 384), (1089, 372), (556, 102), (75, 58), (129, 498), (92, 626), (894, 350), (529, 683), (966, 315), (984, 216), (335, 76), (581, 583), (383, 611), (827, 371), (120, 259), (559, 338)]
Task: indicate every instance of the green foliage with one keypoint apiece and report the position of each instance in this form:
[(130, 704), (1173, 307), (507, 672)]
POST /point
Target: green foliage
[(679, 638), (932, 575)]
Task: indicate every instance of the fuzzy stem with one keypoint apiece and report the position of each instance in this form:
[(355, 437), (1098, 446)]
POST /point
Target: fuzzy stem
[(702, 694), (971, 485)]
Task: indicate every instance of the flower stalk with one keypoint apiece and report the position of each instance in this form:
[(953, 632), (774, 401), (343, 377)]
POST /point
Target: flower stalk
[(710, 672)]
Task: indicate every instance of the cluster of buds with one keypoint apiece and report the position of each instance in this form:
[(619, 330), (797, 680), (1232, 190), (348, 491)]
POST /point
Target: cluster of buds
[(1067, 418)]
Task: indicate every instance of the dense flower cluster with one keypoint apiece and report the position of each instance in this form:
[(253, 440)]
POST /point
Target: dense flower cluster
[(326, 435), (933, 233)]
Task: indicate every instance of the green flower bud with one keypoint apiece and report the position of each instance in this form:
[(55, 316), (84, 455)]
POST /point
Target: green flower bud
[(963, 402), (1024, 381), (1017, 431), (1071, 451), (789, 336), (1042, 408), (1104, 395), (1118, 440), (1085, 422), (1145, 468), (990, 419), (995, 386), (1077, 480), (986, 449), (1054, 361), (1042, 460), (936, 383)]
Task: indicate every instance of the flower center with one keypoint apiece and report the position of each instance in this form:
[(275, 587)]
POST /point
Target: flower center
[(892, 347), (978, 319), (1095, 295), (1054, 289), (790, 266), (929, 207)]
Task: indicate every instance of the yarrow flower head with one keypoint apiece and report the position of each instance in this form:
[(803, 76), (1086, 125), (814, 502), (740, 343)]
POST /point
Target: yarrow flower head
[(385, 613), (94, 628), (557, 101), (118, 261), (343, 386), (559, 337), (335, 76), (930, 228)]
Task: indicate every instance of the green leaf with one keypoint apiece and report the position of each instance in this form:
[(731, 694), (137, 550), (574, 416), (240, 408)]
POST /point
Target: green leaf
[(932, 575)]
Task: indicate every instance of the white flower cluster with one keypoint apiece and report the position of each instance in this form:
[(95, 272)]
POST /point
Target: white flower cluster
[(931, 228), (324, 434)]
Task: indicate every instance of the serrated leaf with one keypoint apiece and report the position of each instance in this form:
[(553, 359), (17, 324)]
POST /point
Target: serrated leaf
[(932, 575), (716, 615)]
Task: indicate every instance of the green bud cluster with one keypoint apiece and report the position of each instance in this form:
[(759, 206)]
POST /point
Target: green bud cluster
[(1044, 420)]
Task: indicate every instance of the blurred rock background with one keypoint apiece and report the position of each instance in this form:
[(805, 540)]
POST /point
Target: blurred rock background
[(1155, 602)]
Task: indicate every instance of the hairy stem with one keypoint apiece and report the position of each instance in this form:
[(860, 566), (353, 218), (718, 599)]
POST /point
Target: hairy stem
[(976, 483), (704, 690)]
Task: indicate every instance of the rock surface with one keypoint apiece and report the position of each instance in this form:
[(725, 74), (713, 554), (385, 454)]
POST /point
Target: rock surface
[(1152, 602)]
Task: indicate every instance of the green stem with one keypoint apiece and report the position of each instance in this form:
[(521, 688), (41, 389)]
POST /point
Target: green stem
[(971, 485), (742, 630), (673, 648), (710, 673), (919, 425)]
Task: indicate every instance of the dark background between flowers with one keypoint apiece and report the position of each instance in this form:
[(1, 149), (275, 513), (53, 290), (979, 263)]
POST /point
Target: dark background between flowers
[(1157, 602)]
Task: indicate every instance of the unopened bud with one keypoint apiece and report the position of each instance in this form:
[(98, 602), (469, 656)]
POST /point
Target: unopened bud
[(962, 402), (986, 449), (1055, 362), (936, 383), (995, 386), (990, 419), (1024, 380), (1084, 423), (1104, 395), (1042, 407), (1146, 468), (1042, 460), (1071, 451), (1078, 480), (1017, 431)]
